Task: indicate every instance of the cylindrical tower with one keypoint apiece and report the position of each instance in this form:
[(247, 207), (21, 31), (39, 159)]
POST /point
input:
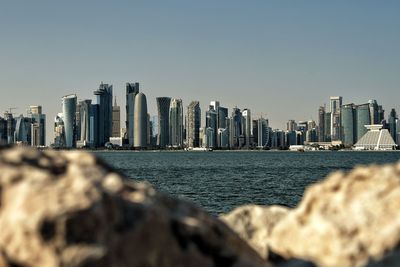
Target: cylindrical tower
[(140, 121), (69, 109)]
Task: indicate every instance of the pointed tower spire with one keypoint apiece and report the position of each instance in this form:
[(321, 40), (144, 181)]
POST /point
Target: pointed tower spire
[(115, 101)]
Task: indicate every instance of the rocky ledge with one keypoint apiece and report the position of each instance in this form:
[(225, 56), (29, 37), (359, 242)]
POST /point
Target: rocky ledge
[(70, 209), (348, 220)]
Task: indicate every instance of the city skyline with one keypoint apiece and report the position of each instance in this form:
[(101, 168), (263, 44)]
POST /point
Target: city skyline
[(276, 58)]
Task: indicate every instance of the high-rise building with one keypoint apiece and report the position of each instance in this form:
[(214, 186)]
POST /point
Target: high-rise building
[(132, 89), (373, 111), (116, 120), (77, 121), (94, 125), (68, 118), (264, 133), (335, 104), (38, 126), (327, 127), (381, 114), (104, 99), (59, 131), (222, 115), (193, 124), (212, 123), (321, 124), (3, 131), (140, 121), (163, 104), (246, 114), (348, 127), (236, 127), (22, 134), (363, 118), (10, 127), (291, 125), (85, 112), (392, 121), (176, 123)]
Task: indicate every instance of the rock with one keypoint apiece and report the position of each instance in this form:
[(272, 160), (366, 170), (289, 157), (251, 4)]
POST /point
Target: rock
[(69, 209), (254, 224), (347, 220)]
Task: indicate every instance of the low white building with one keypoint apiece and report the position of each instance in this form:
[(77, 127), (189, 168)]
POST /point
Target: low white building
[(376, 139)]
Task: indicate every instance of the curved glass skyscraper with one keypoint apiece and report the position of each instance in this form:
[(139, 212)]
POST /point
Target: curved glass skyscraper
[(163, 104), (69, 109), (348, 124), (193, 127)]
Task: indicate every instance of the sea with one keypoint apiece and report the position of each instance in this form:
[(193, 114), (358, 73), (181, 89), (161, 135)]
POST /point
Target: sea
[(219, 181)]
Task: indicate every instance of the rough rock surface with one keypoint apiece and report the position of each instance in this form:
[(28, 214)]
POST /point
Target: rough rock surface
[(346, 220), (254, 223), (68, 209)]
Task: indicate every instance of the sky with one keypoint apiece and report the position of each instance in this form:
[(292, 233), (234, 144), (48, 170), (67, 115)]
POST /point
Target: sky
[(282, 59)]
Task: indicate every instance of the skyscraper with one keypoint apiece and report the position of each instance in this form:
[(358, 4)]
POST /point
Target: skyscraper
[(321, 124), (176, 123), (22, 134), (140, 121), (373, 111), (335, 104), (104, 99), (291, 125), (363, 118), (85, 110), (132, 89), (392, 120), (163, 104), (236, 127), (348, 120), (246, 114), (264, 133), (212, 123), (68, 118), (38, 126), (193, 127), (116, 120)]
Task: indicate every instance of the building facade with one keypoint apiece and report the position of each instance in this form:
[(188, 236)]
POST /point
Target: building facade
[(163, 104)]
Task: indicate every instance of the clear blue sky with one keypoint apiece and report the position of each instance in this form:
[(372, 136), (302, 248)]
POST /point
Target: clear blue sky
[(280, 58)]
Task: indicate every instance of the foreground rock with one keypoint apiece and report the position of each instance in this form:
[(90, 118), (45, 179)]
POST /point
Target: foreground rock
[(254, 224), (67, 209), (346, 220)]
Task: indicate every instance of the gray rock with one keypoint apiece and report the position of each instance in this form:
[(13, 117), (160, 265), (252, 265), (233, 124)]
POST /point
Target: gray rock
[(346, 220), (69, 209), (254, 224)]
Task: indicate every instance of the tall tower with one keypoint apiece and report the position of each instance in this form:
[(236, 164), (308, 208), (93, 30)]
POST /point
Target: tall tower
[(116, 120), (362, 118), (140, 122), (85, 110), (69, 109), (193, 121), (321, 124), (163, 104), (212, 125), (132, 89), (38, 126), (104, 100), (392, 120), (335, 104), (247, 126), (176, 123), (348, 127)]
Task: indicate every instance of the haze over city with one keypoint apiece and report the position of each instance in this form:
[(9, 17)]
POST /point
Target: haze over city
[(279, 58)]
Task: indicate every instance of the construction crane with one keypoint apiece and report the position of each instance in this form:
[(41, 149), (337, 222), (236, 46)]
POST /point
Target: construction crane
[(9, 111)]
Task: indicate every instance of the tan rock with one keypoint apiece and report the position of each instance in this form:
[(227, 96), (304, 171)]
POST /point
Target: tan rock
[(68, 209), (346, 220), (254, 224)]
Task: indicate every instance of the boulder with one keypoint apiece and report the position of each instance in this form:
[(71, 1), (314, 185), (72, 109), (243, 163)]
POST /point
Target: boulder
[(254, 224), (347, 220), (70, 209)]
